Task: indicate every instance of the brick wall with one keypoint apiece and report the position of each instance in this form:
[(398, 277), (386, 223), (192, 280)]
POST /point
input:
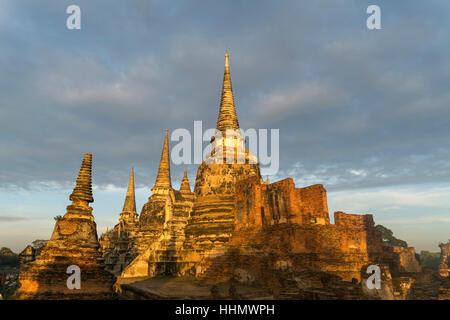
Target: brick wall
[(259, 204), (349, 220)]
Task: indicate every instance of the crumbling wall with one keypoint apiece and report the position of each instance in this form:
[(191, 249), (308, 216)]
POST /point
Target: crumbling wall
[(313, 203), (282, 252), (407, 261), (354, 221), (444, 266), (258, 204)]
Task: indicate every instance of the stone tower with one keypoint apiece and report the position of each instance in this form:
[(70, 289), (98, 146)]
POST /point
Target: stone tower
[(129, 214), (185, 187), (73, 242), (159, 207), (116, 249), (153, 213), (212, 220), (163, 181)]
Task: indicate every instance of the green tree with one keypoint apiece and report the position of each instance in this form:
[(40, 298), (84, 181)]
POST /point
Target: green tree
[(388, 237), (8, 258), (429, 260)]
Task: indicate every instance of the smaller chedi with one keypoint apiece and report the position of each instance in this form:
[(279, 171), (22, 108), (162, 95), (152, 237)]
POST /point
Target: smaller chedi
[(74, 242), (117, 243)]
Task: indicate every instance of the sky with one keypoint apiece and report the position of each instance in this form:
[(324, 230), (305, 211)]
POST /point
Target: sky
[(364, 112)]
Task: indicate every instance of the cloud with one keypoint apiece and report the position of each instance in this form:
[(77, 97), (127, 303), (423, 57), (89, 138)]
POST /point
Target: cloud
[(363, 112), (4, 218), (295, 101), (387, 199), (421, 220), (355, 108)]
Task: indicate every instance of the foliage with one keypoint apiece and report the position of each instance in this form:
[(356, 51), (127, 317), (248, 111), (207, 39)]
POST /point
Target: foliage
[(429, 260), (8, 292), (57, 218), (388, 237), (8, 258), (38, 244)]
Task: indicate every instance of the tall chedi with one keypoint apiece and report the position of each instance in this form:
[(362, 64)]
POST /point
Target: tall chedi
[(158, 207), (129, 214), (116, 247), (163, 181), (153, 211), (74, 242), (212, 219), (128, 222)]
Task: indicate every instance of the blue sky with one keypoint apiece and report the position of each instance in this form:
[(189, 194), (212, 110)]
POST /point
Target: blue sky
[(366, 113)]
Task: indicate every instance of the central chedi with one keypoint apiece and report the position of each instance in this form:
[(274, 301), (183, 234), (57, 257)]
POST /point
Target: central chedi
[(212, 220), (179, 228)]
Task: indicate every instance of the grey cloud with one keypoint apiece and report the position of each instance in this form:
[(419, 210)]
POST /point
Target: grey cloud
[(4, 218), (345, 99)]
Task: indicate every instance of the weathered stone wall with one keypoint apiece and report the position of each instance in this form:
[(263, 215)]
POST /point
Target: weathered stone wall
[(402, 259), (258, 204), (282, 252), (280, 226), (354, 221), (314, 204)]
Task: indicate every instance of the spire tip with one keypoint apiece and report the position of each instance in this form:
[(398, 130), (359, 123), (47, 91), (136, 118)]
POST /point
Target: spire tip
[(226, 59)]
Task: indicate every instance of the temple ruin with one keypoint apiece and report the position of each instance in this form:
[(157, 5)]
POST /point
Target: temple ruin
[(232, 226), (236, 226)]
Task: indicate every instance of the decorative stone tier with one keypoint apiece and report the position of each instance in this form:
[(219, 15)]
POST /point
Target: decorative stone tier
[(212, 219), (74, 242)]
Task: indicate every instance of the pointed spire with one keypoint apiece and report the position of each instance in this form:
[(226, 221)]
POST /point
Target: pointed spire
[(130, 201), (185, 186), (163, 178), (268, 180), (227, 118), (83, 188)]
